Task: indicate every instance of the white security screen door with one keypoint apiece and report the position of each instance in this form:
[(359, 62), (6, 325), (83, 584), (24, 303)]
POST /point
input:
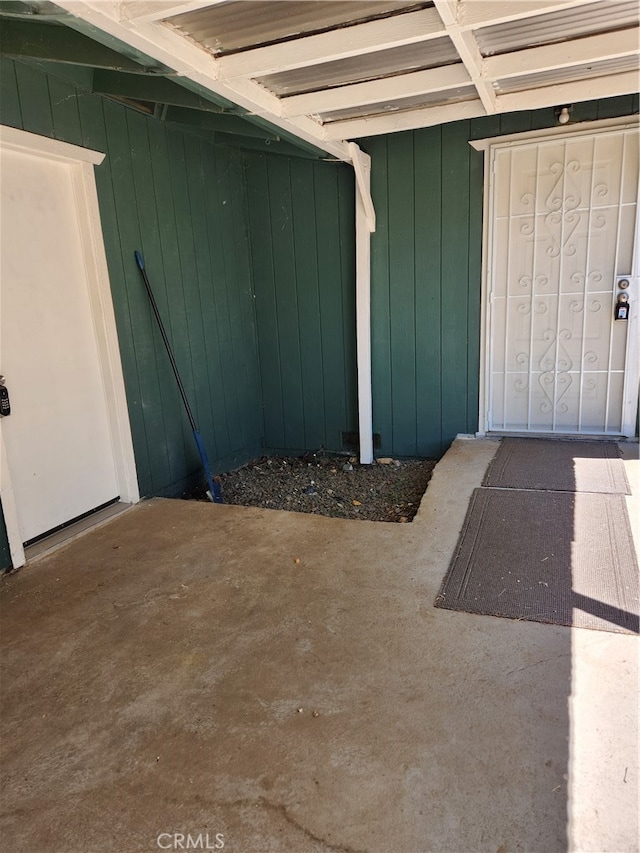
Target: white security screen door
[(563, 225), (57, 437)]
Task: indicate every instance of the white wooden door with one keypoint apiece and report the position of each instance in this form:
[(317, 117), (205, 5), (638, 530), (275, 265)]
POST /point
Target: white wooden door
[(562, 231), (57, 436)]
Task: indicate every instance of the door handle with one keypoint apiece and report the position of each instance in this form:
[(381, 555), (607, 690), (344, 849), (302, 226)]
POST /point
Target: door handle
[(5, 405)]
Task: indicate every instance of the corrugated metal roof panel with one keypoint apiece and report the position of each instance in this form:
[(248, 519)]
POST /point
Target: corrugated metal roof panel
[(230, 27), (565, 75), (356, 69), (601, 17), (433, 99)]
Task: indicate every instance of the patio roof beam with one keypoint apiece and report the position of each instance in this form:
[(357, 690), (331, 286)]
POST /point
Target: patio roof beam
[(410, 28), (609, 86), (474, 15), (403, 120), (377, 91), (579, 51), (468, 51)]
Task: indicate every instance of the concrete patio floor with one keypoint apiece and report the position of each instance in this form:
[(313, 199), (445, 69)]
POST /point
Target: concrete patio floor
[(179, 671)]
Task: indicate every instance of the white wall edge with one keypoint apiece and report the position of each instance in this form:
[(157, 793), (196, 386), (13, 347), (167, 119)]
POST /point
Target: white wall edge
[(483, 380), (104, 323)]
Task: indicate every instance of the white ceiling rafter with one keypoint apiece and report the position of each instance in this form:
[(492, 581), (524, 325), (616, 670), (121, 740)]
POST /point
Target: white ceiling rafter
[(544, 58), (467, 47), (377, 91), (608, 86), (404, 120), (487, 13)]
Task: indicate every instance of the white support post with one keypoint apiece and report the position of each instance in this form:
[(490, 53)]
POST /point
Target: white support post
[(365, 225)]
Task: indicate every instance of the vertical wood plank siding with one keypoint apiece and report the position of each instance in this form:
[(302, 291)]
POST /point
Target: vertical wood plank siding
[(301, 218), (182, 202), (427, 188), (252, 259)]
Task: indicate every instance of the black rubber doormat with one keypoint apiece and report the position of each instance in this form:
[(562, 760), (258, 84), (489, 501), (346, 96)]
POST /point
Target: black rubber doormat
[(556, 557), (558, 465)]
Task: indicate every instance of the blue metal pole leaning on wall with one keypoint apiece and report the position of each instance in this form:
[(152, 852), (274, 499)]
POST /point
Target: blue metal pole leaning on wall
[(214, 492)]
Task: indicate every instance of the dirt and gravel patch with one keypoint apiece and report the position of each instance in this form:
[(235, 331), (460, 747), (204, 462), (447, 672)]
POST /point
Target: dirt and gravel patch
[(335, 486)]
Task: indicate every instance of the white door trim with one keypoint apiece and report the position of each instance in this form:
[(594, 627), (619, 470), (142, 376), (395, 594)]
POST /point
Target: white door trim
[(81, 162), (583, 127), (632, 360), (489, 145)]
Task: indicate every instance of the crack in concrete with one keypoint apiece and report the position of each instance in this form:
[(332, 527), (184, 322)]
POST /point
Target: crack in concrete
[(282, 811), (537, 662)]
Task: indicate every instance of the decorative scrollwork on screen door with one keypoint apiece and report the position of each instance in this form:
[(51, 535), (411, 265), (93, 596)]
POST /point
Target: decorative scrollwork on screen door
[(557, 259), (555, 378)]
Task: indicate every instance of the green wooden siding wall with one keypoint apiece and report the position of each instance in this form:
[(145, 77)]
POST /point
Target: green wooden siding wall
[(303, 254), (252, 259), (182, 202), (427, 189)]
